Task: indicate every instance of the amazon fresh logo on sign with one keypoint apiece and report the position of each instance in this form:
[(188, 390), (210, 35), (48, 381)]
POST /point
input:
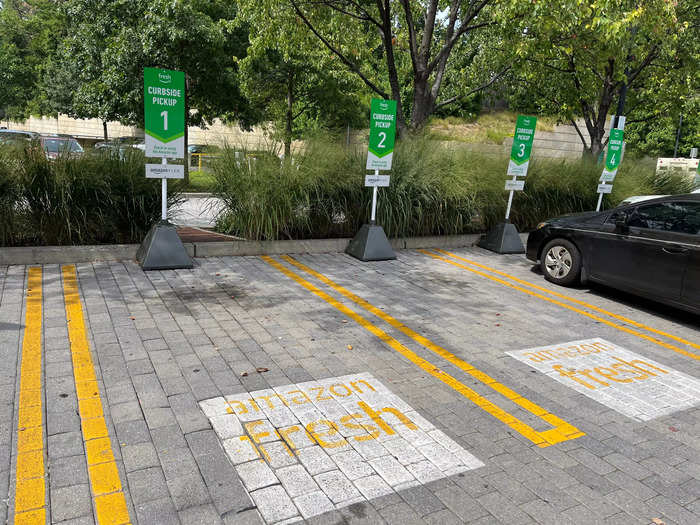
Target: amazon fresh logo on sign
[(165, 78)]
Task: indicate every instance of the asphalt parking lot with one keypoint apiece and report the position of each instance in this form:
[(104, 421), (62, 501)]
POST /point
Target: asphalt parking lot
[(443, 387)]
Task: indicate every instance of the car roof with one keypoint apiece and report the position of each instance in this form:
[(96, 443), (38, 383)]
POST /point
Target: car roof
[(666, 198)]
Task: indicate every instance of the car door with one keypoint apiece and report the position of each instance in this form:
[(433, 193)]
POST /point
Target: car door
[(648, 257), (691, 280)]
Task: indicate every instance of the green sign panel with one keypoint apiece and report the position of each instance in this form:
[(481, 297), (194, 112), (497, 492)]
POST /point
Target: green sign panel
[(523, 138), (612, 161), (382, 131), (164, 111)]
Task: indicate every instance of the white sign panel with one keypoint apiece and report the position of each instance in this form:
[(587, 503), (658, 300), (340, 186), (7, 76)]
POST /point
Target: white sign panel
[(165, 171), (377, 180), (605, 188), (515, 185), (608, 176), (305, 449), (629, 383)]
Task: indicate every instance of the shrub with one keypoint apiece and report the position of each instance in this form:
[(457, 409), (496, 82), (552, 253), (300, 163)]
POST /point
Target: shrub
[(436, 188), (88, 200)]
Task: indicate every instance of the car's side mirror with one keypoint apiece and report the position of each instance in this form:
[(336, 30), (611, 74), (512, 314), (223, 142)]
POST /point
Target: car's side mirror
[(621, 221)]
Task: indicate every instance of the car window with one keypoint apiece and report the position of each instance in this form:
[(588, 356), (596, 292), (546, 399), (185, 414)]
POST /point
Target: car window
[(60, 145), (679, 217)]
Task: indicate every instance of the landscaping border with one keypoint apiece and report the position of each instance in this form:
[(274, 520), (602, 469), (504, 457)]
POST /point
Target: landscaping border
[(125, 252)]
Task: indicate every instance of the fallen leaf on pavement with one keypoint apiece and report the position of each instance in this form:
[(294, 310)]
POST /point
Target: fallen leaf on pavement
[(244, 374), (658, 521), (349, 347), (262, 369)]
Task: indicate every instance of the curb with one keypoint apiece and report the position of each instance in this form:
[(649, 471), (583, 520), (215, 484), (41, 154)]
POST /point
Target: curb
[(126, 252)]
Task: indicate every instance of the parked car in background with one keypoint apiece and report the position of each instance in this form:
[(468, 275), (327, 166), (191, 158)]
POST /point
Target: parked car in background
[(10, 136), (650, 248), (55, 145), (115, 148)]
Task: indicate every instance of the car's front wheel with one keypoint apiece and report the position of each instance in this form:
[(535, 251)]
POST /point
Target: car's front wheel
[(561, 262)]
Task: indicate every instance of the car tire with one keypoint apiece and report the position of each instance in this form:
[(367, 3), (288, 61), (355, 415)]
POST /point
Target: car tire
[(561, 262)]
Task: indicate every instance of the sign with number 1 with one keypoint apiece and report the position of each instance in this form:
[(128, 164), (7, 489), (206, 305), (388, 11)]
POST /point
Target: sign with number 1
[(382, 131), (164, 112), (523, 138)]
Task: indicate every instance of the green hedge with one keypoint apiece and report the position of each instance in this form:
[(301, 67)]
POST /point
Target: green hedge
[(93, 199), (434, 190)]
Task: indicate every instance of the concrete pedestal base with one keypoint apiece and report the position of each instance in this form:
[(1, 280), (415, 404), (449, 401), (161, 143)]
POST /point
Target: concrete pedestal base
[(371, 244), (162, 249), (503, 238)]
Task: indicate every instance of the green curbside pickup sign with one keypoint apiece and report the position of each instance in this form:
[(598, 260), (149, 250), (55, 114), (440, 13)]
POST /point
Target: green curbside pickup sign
[(164, 111), (382, 131), (523, 138), (612, 161)]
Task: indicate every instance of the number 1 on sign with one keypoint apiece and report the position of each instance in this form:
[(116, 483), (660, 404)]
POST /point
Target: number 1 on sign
[(164, 114)]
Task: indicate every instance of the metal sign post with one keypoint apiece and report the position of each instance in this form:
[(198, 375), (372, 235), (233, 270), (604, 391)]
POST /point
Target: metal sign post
[(504, 237), (612, 162), (370, 243), (164, 117)]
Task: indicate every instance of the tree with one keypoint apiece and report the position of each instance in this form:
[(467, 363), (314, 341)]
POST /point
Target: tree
[(98, 71), (400, 50), (289, 81), (580, 58), (29, 32)]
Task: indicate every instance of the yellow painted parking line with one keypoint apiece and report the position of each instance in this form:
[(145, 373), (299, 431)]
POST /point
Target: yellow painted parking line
[(562, 431), (564, 305), (574, 300), (30, 484), (110, 503)]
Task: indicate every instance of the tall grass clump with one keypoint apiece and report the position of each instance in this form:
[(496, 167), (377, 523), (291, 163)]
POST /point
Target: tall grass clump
[(437, 188), (92, 199)]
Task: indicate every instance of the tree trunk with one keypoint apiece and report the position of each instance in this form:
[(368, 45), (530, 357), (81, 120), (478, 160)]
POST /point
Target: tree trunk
[(289, 120), (104, 129), (388, 40), (423, 103)]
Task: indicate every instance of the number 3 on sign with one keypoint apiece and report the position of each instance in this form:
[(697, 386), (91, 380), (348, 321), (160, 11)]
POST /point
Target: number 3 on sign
[(522, 150), (381, 144), (164, 114)]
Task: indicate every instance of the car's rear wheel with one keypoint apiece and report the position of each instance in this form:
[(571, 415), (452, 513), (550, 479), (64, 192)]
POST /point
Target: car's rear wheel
[(561, 262)]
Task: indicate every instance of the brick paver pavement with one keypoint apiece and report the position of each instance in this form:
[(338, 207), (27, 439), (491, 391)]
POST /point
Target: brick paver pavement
[(249, 390)]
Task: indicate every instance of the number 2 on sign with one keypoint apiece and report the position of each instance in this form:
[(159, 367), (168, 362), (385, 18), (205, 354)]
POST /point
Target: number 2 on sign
[(164, 114), (522, 150), (381, 144)]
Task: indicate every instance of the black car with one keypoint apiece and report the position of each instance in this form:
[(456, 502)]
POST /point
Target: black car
[(650, 248)]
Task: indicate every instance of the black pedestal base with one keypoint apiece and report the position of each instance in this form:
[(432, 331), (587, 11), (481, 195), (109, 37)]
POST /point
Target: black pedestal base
[(162, 249), (371, 244), (503, 238)]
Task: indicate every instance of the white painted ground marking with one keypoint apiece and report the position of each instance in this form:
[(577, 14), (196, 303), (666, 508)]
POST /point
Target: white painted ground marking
[(629, 383), (304, 449)]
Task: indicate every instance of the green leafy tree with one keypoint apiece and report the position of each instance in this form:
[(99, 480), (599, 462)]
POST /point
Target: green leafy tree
[(29, 33), (581, 58), (403, 50), (98, 72), (289, 81)]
